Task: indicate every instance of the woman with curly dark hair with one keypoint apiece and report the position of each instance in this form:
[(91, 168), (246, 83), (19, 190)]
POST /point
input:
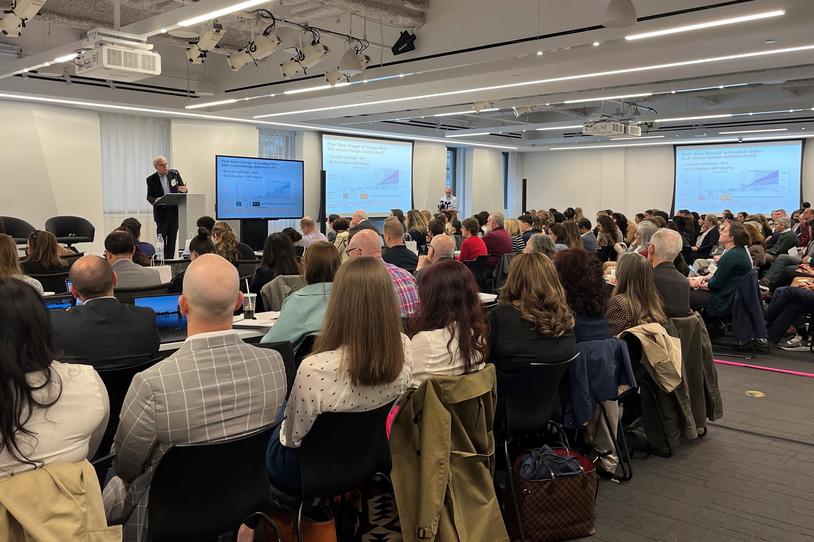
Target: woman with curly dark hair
[(586, 292), (448, 336)]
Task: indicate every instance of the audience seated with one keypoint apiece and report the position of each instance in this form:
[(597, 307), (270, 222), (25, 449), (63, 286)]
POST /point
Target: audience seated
[(673, 287), (540, 243), (532, 322), (331, 235), (526, 223), (449, 332), (215, 387), (497, 239), (473, 245), (353, 368), (785, 239), (366, 243), (101, 331), (586, 293), (43, 255), (513, 227), (436, 227), (572, 234), (134, 227), (310, 233), (715, 291), (198, 246), (10, 263), (359, 221), (787, 307), (442, 247), (558, 236), (607, 239), (627, 229), (228, 246), (707, 239), (644, 232), (119, 250), (397, 252), (758, 252), (278, 259), (50, 412), (417, 229), (340, 226), (635, 300), (454, 231), (304, 310)]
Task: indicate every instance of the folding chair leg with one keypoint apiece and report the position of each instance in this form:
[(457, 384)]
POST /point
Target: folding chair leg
[(621, 449), (299, 521), (661, 421), (512, 492)]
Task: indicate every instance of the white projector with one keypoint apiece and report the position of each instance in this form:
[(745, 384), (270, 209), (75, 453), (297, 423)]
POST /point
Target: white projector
[(604, 128), (118, 63)]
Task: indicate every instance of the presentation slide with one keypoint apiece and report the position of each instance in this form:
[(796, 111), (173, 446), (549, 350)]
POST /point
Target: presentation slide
[(247, 188), (371, 174), (751, 177)]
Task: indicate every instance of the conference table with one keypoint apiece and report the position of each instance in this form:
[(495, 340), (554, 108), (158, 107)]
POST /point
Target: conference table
[(246, 329)]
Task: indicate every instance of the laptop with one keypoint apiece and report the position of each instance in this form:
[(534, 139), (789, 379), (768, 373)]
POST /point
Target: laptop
[(172, 325), (58, 302)]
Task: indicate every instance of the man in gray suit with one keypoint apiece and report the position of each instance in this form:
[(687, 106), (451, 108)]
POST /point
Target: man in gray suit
[(119, 250), (587, 236), (214, 387)]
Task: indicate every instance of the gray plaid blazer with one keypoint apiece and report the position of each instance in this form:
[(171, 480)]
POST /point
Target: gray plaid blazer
[(215, 387)]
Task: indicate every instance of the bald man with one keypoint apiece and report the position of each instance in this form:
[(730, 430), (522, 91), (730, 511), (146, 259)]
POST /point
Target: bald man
[(215, 387), (359, 221), (165, 181), (366, 243), (101, 331), (442, 247)]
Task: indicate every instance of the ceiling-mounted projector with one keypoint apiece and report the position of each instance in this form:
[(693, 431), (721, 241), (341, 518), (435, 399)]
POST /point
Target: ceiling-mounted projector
[(118, 56)]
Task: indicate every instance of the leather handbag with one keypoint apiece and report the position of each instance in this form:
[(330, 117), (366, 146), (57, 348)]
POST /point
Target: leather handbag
[(561, 507)]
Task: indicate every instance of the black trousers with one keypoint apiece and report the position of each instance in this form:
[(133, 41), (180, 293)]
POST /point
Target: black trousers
[(168, 229)]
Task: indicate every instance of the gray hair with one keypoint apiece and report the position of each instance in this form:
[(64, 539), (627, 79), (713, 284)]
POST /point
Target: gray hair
[(359, 213), (158, 159), (499, 219), (667, 244), (443, 246), (542, 244), (783, 222), (646, 230), (712, 219)]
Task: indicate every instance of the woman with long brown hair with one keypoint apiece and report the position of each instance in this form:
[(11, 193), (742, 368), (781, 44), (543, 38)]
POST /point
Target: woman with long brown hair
[(10, 263), (532, 322), (361, 361), (43, 255), (586, 292), (449, 333), (635, 299), (227, 244)]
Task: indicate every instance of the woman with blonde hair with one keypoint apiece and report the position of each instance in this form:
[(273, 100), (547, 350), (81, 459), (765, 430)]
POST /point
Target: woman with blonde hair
[(573, 238), (10, 263), (532, 322), (227, 244), (578, 215), (353, 367), (417, 229), (43, 255), (635, 299), (512, 226)]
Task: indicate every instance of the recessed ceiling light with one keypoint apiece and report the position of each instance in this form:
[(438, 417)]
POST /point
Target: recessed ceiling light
[(708, 24), (539, 53), (770, 41), (755, 131), (596, 44)]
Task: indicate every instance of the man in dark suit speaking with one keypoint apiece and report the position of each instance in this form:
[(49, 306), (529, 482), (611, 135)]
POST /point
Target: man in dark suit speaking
[(165, 181)]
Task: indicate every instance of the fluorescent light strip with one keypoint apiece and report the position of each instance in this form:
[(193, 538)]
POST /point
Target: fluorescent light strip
[(708, 141), (708, 24), (583, 100), (313, 89), (210, 104), (754, 131), (60, 101), (554, 128), (467, 112), (696, 117), (468, 135), (223, 11), (679, 64), (635, 138), (714, 87)]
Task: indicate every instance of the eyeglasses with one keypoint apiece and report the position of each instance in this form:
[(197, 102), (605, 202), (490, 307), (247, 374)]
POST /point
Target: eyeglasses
[(349, 251)]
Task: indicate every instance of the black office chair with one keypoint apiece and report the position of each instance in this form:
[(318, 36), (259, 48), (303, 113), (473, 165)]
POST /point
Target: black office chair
[(101, 466), (242, 284), (17, 228), (246, 268), (304, 349), (53, 282), (71, 229), (341, 451), (482, 272), (127, 295), (117, 382), (299, 251), (286, 351), (202, 491), (532, 408)]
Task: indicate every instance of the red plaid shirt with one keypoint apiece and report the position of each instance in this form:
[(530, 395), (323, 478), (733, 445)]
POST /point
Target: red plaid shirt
[(406, 290)]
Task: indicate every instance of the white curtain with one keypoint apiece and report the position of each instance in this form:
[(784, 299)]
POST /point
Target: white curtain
[(129, 144), (278, 144)]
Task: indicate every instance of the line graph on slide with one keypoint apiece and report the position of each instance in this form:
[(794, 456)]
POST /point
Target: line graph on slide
[(382, 185)]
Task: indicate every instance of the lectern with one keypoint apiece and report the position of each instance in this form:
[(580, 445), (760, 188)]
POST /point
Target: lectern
[(190, 208)]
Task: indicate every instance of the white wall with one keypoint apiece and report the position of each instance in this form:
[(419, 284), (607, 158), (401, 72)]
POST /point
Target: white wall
[(429, 174), (483, 180), (51, 159)]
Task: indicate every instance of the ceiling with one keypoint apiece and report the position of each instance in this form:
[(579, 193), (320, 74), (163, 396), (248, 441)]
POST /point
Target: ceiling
[(532, 55)]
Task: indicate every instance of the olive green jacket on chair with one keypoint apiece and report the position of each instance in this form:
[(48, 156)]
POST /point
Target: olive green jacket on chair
[(442, 447)]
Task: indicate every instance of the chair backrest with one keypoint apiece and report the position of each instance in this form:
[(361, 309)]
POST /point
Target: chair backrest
[(71, 229), (201, 491), (482, 272), (286, 351), (282, 286), (101, 465), (127, 295), (17, 228), (243, 279), (748, 321), (305, 348), (53, 282), (117, 382), (299, 251), (246, 268), (343, 449), (533, 398)]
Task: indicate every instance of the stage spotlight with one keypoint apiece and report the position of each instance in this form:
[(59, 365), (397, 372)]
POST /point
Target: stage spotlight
[(619, 14), (197, 53), (353, 63), (404, 44), (255, 51)]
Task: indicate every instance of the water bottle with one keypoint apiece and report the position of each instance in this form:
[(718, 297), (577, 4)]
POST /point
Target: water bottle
[(159, 249)]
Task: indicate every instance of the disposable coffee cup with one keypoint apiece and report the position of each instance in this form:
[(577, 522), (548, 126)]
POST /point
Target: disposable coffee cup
[(249, 301)]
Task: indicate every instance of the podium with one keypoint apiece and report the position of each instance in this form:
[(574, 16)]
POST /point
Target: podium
[(190, 208)]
